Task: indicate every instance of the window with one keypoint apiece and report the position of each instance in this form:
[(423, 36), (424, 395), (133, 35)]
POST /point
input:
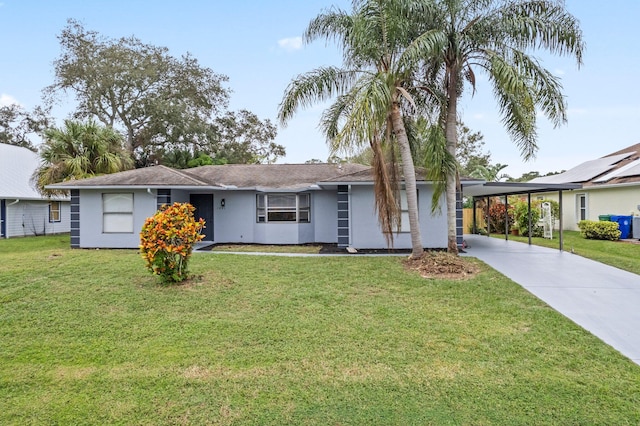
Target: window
[(581, 206), (283, 208), (404, 212), (117, 213), (54, 211)]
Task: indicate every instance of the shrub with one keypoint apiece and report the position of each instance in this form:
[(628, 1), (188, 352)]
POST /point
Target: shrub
[(167, 239), (496, 217), (595, 230), (521, 218)]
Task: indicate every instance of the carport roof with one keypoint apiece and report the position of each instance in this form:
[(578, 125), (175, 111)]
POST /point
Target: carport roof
[(493, 189)]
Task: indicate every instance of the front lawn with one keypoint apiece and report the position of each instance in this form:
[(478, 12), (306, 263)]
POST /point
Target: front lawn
[(88, 337)]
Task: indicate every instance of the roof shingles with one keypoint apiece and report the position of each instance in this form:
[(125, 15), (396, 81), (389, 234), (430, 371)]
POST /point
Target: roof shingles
[(241, 176)]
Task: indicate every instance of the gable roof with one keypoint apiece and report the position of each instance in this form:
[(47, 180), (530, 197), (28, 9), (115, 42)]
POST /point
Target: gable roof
[(274, 176), (229, 176), (619, 167), (17, 165), (148, 176)]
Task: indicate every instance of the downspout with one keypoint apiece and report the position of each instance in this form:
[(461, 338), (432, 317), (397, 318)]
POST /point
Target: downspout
[(15, 202)]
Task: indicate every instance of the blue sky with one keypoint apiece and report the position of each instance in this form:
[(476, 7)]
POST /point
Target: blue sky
[(256, 44)]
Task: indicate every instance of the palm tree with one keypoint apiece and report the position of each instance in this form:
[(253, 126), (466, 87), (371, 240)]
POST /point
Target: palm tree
[(79, 150), (496, 36), (374, 89)]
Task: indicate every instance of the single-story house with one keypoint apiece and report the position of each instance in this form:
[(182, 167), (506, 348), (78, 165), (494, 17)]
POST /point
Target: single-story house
[(23, 210), (258, 204), (610, 185)]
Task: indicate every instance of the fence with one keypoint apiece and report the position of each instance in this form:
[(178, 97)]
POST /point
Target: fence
[(467, 220)]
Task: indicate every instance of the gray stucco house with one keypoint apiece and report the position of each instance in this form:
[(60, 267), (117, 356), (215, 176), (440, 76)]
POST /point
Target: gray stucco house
[(23, 211), (258, 204)]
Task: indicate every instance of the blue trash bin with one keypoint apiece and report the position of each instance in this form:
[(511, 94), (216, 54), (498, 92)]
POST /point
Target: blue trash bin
[(624, 224)]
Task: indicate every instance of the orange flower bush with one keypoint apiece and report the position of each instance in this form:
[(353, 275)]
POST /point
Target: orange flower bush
[(167, 239)]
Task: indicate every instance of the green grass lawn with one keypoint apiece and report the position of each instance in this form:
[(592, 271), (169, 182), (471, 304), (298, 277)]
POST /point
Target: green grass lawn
[(621, 254), (89, 337)]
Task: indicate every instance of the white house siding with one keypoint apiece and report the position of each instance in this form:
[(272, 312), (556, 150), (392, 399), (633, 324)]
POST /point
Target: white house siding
[(27, 218), (365, 229), (621, 200), (616, 200), (91, 232)]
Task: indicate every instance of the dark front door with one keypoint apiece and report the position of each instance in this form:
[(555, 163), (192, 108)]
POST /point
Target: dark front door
[(204, 209)]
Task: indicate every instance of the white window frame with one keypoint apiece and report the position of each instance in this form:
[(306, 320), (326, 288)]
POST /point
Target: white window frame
[(267, 212), (55, 211), (117, 213), (579, 208)]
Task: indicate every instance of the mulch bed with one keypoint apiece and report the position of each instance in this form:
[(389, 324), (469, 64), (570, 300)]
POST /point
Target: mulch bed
[(440, 264)]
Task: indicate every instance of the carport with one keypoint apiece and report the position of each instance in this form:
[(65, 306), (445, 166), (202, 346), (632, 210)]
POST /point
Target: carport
[(486, 190)]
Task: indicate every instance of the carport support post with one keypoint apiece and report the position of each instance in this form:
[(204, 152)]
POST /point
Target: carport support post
[(561, 227), (529, 214), (506, 218), (474, 229), (488, 218)]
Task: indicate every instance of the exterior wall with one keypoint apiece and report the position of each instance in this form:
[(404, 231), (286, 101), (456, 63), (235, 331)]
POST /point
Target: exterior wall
[(324, 216), (236, 221), (622, 200), (366, 232), (91, 234), (27, 218)]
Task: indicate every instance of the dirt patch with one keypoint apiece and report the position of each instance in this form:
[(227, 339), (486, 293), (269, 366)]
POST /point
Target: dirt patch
[(439, 264)]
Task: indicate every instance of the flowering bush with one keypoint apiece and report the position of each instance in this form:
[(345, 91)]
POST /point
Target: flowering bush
[(497, 217), (167, 239)]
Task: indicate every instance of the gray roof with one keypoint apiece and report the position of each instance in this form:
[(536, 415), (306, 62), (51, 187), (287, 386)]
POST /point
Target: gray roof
[(240, 176), (149, 176), (622, 166), (276, 176), (365, 175), (17, 165)]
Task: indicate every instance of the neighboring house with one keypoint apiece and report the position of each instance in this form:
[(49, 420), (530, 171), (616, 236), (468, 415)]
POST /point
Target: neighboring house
[(260, 204), (24, 211), (610, 185)]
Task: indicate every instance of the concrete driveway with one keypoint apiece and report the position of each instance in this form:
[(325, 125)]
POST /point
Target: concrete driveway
[(602, 299)]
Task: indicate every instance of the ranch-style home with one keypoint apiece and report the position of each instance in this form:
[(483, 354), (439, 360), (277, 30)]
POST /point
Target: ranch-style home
[(255, 204), (24, 211), (610, 186)]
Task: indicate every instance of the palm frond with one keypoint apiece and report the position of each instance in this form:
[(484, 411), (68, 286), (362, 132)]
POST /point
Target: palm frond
[(315, 86), (439, 164)]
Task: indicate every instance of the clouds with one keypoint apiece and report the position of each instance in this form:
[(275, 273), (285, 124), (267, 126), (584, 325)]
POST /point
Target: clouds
[(290, 44), (6, 100)]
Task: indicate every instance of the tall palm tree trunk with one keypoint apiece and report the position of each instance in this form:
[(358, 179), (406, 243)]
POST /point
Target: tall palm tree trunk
[(452, 178), (409, 172)]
